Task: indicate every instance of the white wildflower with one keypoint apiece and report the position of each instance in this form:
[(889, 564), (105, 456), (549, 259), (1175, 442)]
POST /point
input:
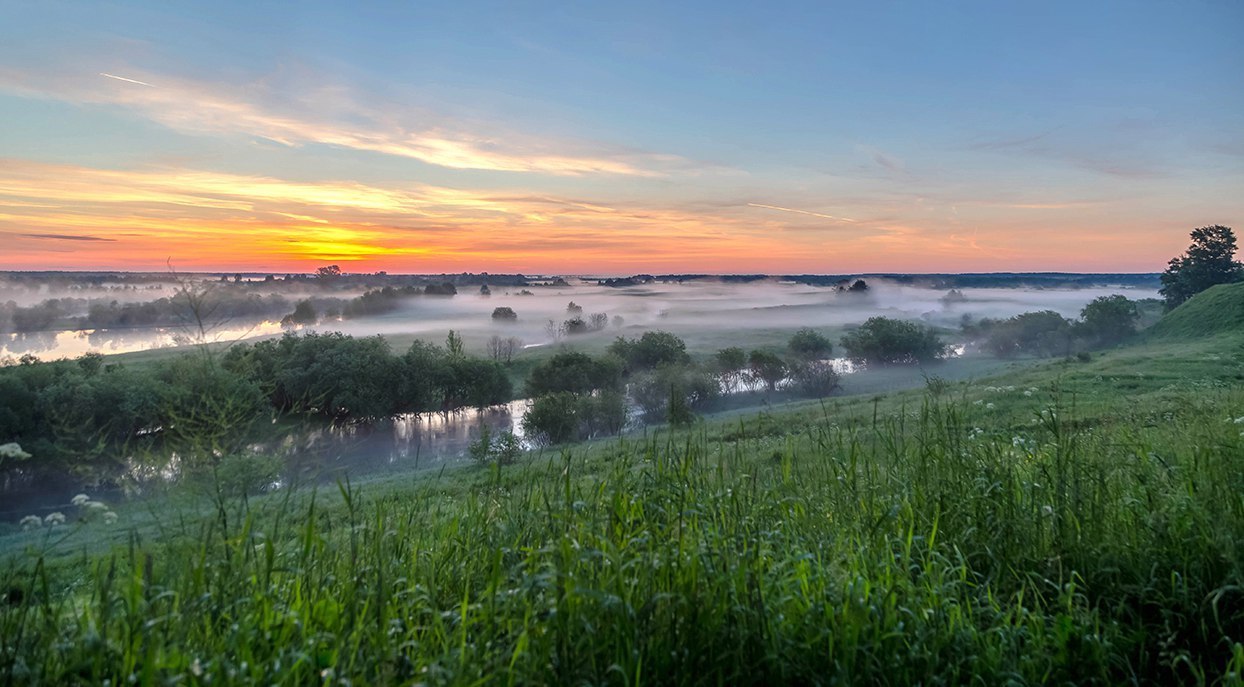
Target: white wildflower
[(110, 517), (989, 406), (96, 505), (1047, 511), (196, 668), (1239, 420), (1027, 392), (13, 450), (80, 500), (54, 519), (31, 521)]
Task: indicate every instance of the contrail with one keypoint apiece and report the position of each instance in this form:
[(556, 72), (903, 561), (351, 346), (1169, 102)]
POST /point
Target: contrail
[(122, 78), (802, 212)]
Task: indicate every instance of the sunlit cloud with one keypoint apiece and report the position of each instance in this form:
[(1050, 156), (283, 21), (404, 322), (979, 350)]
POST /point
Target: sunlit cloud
[(292, 117), (218, 219)]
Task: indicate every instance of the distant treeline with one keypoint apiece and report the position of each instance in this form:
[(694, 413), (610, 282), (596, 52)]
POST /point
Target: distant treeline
[(218, 305), (1013, 280)]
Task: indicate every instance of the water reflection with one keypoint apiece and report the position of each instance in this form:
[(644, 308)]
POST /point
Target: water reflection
[(73, 343), (413, 440)]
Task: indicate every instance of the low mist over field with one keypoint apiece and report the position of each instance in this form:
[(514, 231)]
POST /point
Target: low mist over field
[(701, 310)]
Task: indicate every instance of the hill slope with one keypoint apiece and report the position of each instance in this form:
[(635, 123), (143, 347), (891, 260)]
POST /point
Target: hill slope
[(1216, 310)]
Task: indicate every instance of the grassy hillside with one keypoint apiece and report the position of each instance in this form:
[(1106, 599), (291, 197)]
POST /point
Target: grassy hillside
[(1070, 522), (1217, 310)]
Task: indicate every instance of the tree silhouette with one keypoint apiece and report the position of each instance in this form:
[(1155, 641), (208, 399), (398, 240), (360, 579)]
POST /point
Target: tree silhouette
[(1210, 260)]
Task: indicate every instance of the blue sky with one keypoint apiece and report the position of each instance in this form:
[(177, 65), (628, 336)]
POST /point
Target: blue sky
[(910, 136)]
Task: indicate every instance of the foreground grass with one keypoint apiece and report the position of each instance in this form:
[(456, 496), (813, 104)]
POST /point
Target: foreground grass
[(1077, 530)]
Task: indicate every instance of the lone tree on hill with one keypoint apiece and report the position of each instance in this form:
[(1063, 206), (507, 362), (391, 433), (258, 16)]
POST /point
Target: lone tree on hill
[(1210, 260)]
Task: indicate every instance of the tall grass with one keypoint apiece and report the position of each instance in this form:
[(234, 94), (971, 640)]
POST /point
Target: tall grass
[(909, 546)]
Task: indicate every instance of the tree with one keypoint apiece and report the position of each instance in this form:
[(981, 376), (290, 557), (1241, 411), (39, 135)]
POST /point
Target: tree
[(328, 273), (1107, 320), (454, 345), (504, 314), (767, 367), (574, 372), (1210, 260), (553, 418), (809, 344), (443, 289), (503, 349), (574, 309), (649, 350), (815, 378), (304, 314), (729, 364), (886, 341)]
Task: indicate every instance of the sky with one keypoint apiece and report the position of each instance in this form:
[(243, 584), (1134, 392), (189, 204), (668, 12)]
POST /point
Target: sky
[(617, 138)]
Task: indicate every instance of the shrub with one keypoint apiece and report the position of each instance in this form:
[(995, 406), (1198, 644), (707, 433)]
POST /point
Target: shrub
[(1044, 333)]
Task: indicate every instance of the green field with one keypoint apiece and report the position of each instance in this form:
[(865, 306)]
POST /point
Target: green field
[(1065, 522)]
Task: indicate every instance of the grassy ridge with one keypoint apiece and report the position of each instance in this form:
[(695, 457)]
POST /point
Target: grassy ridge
[(1217, 310), (1068, 523)]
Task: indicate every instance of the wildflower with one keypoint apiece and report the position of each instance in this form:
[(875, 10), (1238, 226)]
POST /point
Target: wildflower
[(1047, 511), (1027, 392), (196, 668), (1239, 420), (96, 505), (989, 406), (13, 450), (31, 521), (110, 517), (80, 500), (54, 519)]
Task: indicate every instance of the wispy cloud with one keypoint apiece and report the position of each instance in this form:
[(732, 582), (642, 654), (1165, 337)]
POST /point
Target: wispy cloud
[(801, 212), (295, 115), (65, 237), (122, 78), (1124, 149)]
